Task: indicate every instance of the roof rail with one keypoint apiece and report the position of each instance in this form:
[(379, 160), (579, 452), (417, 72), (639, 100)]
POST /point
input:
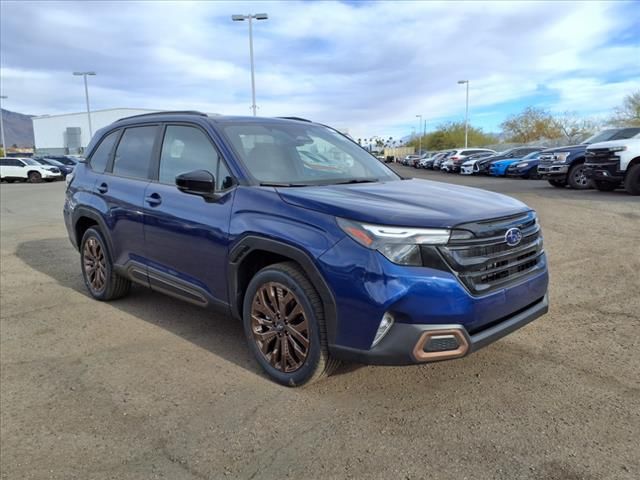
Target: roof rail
[(296, 118), (167, 112)]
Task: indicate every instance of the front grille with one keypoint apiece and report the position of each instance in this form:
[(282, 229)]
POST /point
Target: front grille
[(599, 155), (486, 262)]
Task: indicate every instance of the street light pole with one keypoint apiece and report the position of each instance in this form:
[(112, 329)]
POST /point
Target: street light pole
[(419, 117), (466, 115), (86, 96), (4, 144), (250, 17)]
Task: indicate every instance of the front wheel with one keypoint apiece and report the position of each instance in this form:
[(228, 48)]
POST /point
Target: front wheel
[(632, 180), (285, 327), (34, 177), (605, 186), (577, 177), (99, 276)]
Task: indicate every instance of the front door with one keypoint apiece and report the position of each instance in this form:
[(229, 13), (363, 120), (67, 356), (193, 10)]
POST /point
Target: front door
[(186, 236)]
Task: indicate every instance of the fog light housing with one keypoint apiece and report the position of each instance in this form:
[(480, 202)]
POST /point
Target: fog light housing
[(385, 325)]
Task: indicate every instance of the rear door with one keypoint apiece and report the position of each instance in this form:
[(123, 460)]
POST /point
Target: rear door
[(122, 188), (186, 236)]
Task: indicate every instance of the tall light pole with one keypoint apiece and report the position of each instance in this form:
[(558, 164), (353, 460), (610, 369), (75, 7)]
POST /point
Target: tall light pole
[(86, 96), (419, 117), (466, 115), (250, 17), (4, 144)]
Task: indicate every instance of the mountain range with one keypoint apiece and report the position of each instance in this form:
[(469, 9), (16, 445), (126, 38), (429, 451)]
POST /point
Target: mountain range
[(18, 129)]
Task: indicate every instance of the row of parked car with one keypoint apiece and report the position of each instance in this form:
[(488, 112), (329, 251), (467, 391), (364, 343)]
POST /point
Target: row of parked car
[(605, 161), (36, 169)]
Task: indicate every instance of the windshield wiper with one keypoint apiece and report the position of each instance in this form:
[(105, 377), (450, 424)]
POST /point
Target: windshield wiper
[(271, 184), (357, 180)]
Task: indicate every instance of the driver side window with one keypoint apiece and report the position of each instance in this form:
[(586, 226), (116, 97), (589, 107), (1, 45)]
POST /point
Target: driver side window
[(185, 149)]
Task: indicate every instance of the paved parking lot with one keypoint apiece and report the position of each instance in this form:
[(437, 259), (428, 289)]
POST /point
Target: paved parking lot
[(149, 387)]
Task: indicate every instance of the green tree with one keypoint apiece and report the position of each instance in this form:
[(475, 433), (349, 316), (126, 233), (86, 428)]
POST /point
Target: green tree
[(628, 114), (529, 125), (451, 135)]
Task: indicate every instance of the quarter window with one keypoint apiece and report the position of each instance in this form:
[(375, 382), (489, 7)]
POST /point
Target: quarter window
[(133, 155), (185, 149), (100, 156)]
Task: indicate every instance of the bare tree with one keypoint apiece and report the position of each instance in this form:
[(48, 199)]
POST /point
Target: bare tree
[(573, 128), (628, 114)]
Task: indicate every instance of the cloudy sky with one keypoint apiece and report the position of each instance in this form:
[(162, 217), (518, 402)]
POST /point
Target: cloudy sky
[(367, 66)]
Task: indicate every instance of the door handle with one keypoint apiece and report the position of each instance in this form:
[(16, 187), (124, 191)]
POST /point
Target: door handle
[(153, 200), (103, 188)]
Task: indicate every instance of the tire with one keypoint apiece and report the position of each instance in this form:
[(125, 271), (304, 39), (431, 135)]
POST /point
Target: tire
[(577, 178), (303, 366), (34, 177), (94, 251), (558, 183), (532, 174), (632, 180), (605, 186)]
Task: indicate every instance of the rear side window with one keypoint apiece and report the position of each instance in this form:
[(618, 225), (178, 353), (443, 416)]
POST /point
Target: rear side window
[(133, 155), (100, 156), (185, 149)]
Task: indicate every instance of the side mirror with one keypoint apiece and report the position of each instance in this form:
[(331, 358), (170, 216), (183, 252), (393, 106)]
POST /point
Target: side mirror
[(197, 182)]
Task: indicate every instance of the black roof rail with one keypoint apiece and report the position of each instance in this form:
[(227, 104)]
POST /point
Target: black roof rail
[(296, 118), (167, 112)]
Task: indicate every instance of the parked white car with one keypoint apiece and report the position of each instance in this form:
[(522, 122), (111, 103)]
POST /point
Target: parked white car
[(27, 170), (614, 163), (458, 157)]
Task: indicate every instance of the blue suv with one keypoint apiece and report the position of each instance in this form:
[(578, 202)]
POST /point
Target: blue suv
[(323, 252)]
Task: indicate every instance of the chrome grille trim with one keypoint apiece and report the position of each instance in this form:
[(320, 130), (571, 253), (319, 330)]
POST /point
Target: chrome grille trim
[(487, 264)]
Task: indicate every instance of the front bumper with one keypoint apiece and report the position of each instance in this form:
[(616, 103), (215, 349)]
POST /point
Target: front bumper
[(604, 171), (406, 344), (466, 170), (552, 171)]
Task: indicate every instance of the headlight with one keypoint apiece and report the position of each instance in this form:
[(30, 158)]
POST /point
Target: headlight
[(69, 179), (617, 149), (401, 245), (523, 164), (561, 157)]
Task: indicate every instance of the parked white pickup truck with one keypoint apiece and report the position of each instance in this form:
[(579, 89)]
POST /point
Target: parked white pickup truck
[(615, 163)]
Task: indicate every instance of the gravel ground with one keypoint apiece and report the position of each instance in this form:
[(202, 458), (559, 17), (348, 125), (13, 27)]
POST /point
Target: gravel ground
[(150, 387)]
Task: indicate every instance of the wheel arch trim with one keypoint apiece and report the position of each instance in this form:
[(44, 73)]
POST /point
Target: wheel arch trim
[(251, 243)]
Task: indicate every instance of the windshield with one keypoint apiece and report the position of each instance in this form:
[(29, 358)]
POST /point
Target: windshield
[(31, 161), (293, 154), (531, 155), (613, 134)]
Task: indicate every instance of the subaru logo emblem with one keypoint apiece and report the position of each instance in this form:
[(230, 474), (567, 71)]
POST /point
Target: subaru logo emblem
[(513, 237)]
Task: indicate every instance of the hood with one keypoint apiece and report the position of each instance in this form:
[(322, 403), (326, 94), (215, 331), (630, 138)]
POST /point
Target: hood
[(407, 203), (506, 161), (568, 148), (629, 142)]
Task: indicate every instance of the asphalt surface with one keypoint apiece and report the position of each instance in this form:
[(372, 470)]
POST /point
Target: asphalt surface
[(150, 387)]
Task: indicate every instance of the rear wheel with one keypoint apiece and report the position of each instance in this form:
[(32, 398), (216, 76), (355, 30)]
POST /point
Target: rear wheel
[(34, 177), (605, 186), (100, 278), (577, 177), (632, 180), (558, 183), (285, 327)]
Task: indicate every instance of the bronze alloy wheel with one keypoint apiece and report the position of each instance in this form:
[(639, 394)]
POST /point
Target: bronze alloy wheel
[(94, 264), (280, 327)]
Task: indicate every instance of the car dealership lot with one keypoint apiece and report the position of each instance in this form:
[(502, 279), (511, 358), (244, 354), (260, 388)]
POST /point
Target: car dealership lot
[(150, 387)]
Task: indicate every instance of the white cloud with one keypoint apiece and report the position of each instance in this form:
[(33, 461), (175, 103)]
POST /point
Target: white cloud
[(370, 67)]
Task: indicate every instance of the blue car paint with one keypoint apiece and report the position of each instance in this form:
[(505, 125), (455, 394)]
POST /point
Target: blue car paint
[(499, 168), (191, 239)]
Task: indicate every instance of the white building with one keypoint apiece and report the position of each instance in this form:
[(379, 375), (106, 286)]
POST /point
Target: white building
[(69, 132)]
